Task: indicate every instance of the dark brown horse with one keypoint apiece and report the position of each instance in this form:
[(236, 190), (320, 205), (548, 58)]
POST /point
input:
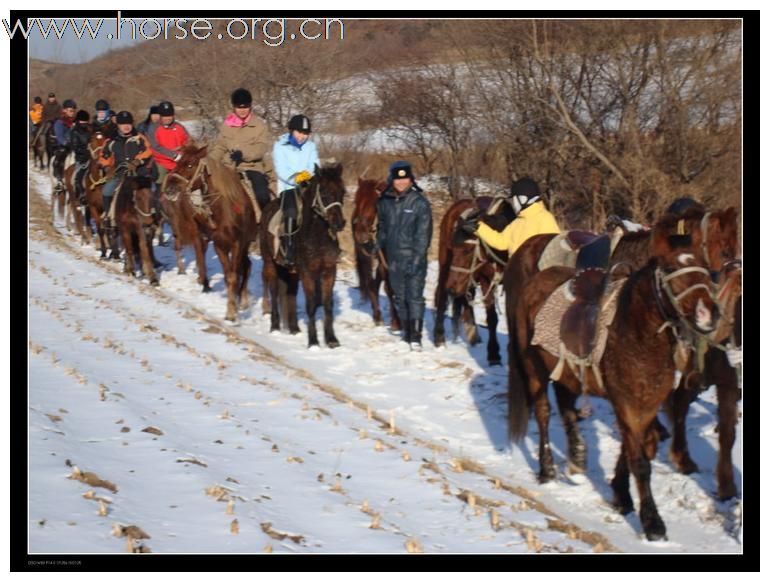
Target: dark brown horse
[(661, 307), (135, 222), (465, 263), (317, 251), (37, 145), (368, 260), (719, 233), (234, 223), (95, 180)]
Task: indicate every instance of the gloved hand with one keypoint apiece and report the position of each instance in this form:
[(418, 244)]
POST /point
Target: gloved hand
[(236, 156), (302, 176), (470, 225), (734, 356)]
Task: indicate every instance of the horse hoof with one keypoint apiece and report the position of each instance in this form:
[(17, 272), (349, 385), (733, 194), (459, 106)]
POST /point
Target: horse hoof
[(688, 466), (294, 330), (207, 289), (728, 492), (155, 283), (314, 348), (495, 362), (656, 531), (623, 507), (333, 344), (546, 476)]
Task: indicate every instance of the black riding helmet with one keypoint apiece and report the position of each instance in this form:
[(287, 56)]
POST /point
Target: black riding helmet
[(524, 193), (241, 98), (299, 123), (69, 103), (124, 117), (102, 105), (82, 115), (166, 109), (681, 205), (38, 100)]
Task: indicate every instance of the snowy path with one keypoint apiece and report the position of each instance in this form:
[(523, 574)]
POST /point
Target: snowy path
[(286, 431)]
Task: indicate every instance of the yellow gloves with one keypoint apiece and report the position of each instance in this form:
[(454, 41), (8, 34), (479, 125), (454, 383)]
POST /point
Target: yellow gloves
[(302, 176)]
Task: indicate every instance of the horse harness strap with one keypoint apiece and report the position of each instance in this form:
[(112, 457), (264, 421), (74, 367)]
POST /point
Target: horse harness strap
[(688, 339)]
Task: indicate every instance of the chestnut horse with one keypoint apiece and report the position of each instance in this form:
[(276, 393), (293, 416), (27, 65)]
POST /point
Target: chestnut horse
[(364, 227), (96, 176), (466, 262), (190, 227), (234, 223), (661, 307), (317, 251), (719, 233)]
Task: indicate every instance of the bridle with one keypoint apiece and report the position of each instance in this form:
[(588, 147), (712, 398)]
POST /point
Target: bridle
[(477, 261)]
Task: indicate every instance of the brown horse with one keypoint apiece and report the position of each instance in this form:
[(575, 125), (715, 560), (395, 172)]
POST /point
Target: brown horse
[(234, 223), (364, 227), (74, 213), (719, 232), (190, 227), (661, 307), (37, 145), (135, 221), (317, 251), (466, 262), (96, 176)]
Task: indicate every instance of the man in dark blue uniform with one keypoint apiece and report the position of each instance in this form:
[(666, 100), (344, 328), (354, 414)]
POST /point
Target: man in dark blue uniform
[(405, 226)]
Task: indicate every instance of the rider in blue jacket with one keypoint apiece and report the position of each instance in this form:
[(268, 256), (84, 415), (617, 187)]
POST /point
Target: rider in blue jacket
[(294, 160)]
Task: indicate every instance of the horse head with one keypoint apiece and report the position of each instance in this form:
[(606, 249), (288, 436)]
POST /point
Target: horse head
[(187, 174), (364, 220), (328, 191), (96, 144), (683, 281)]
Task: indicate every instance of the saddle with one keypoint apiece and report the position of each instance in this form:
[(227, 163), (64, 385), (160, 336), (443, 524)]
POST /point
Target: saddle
[(276, 228), (578, 324)]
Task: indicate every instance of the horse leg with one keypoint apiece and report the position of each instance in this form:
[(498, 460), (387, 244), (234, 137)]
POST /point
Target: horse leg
[(569, 416), (228, 268), (200, 245), (469, 324), (726, 381), (308, 283), (327, 292), (679, 404), (493, 348), (620, 485), (542, 408), (440, 300), (145, 251), (292, 287), (374, 296), (270, 284), (129, 266), (640, 466), (245, 273)]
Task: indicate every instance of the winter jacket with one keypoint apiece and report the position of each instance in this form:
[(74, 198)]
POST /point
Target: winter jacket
[(289, 160), (404, 230), (51, 111), (36, 113), (61, 129), (125, 148), (251, 137), (535, 219), (79, 136), (166, 141)]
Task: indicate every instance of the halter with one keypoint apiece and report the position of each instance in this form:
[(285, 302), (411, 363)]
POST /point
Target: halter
[(478, 261), (323, 210)]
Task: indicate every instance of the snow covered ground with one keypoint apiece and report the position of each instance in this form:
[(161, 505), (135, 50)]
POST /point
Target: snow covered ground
[(146, 409)]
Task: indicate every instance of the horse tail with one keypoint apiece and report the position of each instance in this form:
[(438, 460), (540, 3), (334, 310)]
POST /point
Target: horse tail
[(519, 398)]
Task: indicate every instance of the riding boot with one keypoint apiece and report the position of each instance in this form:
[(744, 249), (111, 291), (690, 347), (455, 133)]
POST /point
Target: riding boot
[(288, 242), (415, 341), (406, 332)]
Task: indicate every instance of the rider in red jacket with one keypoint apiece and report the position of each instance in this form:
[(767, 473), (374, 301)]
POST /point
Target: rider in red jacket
[(167, 139)]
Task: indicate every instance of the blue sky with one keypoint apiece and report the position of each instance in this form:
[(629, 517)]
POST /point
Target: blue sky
[(69, 48)]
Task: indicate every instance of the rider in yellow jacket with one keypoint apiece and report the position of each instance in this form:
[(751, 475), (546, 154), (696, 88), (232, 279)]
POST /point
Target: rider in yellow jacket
[(532, 218)]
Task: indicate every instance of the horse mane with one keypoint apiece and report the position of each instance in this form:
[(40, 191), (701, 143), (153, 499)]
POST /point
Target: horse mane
[(224, 181), (367, 194)]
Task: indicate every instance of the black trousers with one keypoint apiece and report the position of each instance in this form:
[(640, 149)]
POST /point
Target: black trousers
[(59, 155), (260, 186)]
